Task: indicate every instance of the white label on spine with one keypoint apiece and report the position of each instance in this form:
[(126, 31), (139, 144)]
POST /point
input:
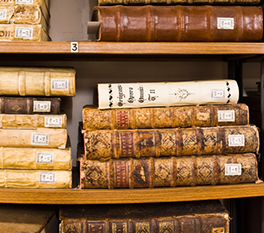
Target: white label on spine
[(226, 115), (39, 139), (3, 14), (232, 169), (41, 106), (236, 140), (60, 84), (225, 23), (47, 177), (44, 158), (24, 33), (28, 2), (53, 121), (217, 93)]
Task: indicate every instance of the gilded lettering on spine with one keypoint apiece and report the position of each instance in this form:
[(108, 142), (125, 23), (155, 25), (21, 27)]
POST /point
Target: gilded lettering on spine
[(96, 227), (121, 173)]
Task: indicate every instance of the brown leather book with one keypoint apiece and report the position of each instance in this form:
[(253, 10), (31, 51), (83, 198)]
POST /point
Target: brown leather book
[(168, 171), (136, 143), (198, 217), (167, 117), (29, 105), (179, 23)]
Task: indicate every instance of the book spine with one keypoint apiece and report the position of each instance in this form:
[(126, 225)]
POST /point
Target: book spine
[(160, 94), (169, 171), (135, 143), (168, 117), (28, 105), (227, 23)]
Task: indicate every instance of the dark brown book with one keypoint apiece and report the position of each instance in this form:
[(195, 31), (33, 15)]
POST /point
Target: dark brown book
[(168, 171), (198, 217), (166, 117), (29, 105), (179, 23), (136, 143)]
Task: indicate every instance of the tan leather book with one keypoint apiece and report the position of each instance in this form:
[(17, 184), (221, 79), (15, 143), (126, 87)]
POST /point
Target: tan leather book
[(26, 81), (169, 171), (166, 117), (179, 23), (12, 178), (187, 217), (136, 143)]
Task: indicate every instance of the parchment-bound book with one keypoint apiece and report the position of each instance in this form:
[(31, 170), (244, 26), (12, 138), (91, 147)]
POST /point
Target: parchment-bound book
[(198, 217), (157, 94), (165, 117), (169, 171)]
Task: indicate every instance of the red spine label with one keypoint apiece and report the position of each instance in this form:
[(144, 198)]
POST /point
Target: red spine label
[(121, 174), (122, 119), (127, 144)]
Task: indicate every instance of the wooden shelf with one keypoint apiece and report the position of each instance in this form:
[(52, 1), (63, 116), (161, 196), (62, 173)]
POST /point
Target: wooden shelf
[(77, 196)]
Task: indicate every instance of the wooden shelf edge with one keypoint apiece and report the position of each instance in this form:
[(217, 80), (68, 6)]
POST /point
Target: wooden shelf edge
[(91, 196)]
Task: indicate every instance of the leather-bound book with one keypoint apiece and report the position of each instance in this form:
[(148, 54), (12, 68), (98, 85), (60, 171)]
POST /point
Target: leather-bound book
[(198, 217), (136, 143), (166, 117), (179, 23), (169, 171)]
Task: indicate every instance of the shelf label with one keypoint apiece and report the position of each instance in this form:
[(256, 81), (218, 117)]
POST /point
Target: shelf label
[(3, 14), (236, 140), (225, 23), (24, 33), (41, 106), (74, 47), (59, 84), (217, 93), (53, 121), (226, 115), (47, 177), (44, 158), (28, 2), (40, 139), (233, 169)]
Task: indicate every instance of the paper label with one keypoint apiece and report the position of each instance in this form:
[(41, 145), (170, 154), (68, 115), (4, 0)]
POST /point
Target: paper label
[(24, 33), (226, 115), (53, 121), (41, 106), (3, 14), (44, 158), (59, 84), (47, 177), (28, 2), (39, 139), (225, 23), (236, 140), (218, 230), (217, 93), (232, 169)]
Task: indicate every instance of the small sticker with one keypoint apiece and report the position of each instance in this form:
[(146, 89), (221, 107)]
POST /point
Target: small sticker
[(217, 93), (41, 106), (47, 177), (218, 230), (236, 140), (39, 139), (59, 84), (74, 47), (3, 14), (53, 121), (226, 115), (44, 158), (24, 33), (232, 169), (28, 2), (225, 23)]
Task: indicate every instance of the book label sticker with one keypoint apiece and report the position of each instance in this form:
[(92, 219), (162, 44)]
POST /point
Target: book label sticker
[(28, 2), (218, 230), (59, 84), (225, 23), (217, 93), (236, 140), (53, 121), (47, 177), (41, 106), (44, 158), (24, 33), (226, 115), (40, 139), (3, 14), (232, 169)]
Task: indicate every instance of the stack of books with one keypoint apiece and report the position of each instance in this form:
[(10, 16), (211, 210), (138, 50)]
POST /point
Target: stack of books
[(23, 20), (35, 148)]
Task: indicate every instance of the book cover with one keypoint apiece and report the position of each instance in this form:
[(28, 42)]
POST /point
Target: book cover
[(39, 81), (199, 217), (136, 143), (169, 171), (165, 117), (179, 23), (159, 94)]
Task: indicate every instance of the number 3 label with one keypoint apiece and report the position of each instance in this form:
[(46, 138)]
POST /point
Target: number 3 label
[(74, 47)]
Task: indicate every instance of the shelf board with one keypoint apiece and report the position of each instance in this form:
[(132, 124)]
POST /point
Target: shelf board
[(95, 196)]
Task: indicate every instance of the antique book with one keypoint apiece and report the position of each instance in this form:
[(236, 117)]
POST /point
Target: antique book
[(136, 143), (13, 178), (38, 81), (165, 117), (159, 94), (29, 105), (40, 137), (150, 23), (169, 171), (176, 217)]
